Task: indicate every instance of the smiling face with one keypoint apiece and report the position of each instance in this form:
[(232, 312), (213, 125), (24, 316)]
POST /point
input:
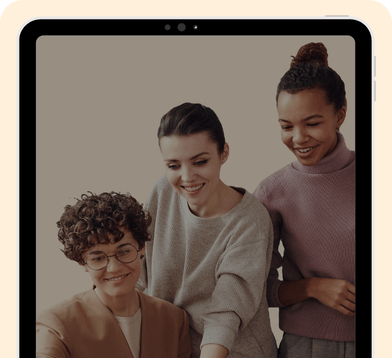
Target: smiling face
[(308, 124), (193, 168), (116, 282)]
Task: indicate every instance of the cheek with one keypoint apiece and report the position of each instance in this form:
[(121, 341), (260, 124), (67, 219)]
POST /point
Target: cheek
[(171, 176), (95, 275), (212, 172), (285, 137), (324, 135)]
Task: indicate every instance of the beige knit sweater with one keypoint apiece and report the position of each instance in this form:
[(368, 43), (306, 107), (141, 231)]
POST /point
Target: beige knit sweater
[(214, 268)]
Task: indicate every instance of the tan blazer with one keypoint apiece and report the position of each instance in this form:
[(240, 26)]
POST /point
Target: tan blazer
[(83, 327)]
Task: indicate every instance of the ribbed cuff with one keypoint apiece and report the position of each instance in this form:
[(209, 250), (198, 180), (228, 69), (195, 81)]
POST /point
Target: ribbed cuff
[(219, 335), (275, 295)]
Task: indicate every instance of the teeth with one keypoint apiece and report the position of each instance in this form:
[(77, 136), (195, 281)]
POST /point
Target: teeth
[(305, 150), (193, 188), (116, 278)]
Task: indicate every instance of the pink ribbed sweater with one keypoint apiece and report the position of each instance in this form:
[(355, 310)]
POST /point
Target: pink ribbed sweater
[(313, 212)]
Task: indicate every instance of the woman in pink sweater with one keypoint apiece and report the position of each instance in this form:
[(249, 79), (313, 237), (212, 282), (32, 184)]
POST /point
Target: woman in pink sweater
[(312, 206)]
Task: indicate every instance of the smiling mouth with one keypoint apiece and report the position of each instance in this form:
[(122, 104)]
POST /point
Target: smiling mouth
[(192, 189), (304, 150), (115, 279)]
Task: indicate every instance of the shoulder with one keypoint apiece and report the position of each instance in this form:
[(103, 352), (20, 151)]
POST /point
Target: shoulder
[(161, 188), (161, 184), (251, 204), (67, 309), (274, 184), (160, 308), (248, 223)]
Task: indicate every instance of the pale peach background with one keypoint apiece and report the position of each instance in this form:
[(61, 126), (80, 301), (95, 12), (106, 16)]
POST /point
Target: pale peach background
[(13, 18)]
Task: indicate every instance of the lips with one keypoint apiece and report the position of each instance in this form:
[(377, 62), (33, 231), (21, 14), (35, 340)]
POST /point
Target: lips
[(193, 189), (117, 278), (304, 152)]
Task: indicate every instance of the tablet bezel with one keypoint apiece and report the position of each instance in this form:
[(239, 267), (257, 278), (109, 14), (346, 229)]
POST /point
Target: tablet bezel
[(205, 27)]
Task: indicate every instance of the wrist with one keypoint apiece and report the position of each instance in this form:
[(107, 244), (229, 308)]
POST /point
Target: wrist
[(310, 287)]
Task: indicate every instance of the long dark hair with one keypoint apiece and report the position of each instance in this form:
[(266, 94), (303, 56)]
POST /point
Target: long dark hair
[(191, 118)]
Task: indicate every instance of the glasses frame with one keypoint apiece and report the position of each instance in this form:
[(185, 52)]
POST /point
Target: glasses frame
[(107, 258)]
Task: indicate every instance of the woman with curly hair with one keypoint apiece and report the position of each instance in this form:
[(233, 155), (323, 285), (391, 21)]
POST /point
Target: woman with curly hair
[(212, 243), (106, 234), (312, 206)]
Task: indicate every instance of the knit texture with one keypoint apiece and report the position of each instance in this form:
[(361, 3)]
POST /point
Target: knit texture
[(214, 268), (313, 212)]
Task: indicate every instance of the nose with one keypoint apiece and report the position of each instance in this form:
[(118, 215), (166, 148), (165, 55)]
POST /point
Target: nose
[(113, 265), (187, 173), (300, 135)]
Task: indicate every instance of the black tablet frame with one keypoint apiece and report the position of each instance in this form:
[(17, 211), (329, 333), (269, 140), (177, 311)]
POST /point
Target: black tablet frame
[(205, 27)]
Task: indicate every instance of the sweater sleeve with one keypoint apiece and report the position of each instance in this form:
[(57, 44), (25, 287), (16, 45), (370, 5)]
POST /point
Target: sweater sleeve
[(273, 281), (240, 275), (150, 206), (50, 337)]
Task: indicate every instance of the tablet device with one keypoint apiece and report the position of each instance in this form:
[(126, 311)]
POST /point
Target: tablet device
[(91, 95)]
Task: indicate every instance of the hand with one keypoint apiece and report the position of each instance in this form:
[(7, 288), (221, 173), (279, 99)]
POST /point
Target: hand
[(337, 294), (213, 351)]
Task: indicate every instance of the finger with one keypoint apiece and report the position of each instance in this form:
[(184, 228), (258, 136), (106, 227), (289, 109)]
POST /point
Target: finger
[(351, 287), (351, 297), (349, 305), (346, 311)]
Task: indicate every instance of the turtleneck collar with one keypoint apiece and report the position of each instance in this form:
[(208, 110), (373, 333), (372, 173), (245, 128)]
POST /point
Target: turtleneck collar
[(338, 159)]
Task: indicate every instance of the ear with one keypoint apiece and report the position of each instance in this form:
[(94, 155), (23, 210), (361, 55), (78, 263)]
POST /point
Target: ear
[(341, 116), (84, 267), (225, 153), (143, 250)]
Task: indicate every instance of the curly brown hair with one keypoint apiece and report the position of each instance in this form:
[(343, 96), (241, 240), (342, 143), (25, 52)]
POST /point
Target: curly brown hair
[(93, 217)]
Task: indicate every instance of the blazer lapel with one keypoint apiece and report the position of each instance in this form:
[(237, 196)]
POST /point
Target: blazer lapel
[(150, 329), (106, 328)]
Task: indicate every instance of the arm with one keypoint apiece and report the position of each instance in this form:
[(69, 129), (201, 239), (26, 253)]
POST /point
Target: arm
[(334, 293), (49, 343), (151, 207), (240, 280), (273, 281), (337, 294), (213, 351)]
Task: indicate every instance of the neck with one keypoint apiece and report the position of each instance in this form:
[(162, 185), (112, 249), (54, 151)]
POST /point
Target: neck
[(125, 306), (223, 200)]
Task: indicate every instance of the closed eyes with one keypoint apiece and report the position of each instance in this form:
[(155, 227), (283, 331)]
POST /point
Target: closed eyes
[(198, 164)]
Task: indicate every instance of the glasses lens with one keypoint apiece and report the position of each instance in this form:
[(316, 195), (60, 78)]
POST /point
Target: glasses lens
[(97, 260), (126, 253)]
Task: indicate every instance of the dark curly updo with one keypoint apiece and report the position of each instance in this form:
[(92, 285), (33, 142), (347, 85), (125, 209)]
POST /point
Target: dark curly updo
[(93, 217), (308, 70)]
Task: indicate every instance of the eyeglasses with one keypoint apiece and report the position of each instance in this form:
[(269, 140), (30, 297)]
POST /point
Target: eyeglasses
[(98, 260)]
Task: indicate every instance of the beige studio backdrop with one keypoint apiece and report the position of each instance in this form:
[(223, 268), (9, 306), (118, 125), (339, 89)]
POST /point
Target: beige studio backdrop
[(99, 102)]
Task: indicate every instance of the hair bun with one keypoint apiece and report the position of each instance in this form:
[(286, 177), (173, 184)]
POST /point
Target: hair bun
[(311, 53)]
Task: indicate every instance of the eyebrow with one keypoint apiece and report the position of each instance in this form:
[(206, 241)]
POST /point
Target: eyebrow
[(98, 251), (194, 157), (305, 119)]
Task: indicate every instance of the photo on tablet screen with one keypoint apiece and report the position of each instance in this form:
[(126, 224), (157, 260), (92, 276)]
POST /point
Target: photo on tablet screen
[(93, 92)]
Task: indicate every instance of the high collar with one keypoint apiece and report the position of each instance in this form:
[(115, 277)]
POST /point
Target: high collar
[(338, 159)]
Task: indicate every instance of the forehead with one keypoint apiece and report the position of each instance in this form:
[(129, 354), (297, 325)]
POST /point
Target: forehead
[(303, 103), (112, 246), (185, 147)]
